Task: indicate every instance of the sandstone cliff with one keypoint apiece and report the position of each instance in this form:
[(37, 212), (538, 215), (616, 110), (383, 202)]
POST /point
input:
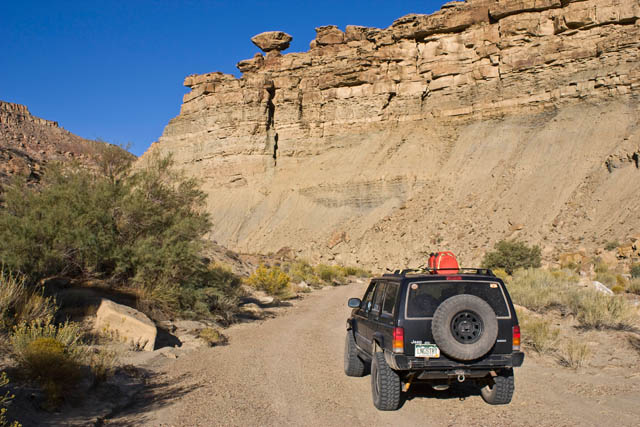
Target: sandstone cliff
[(485, 120)]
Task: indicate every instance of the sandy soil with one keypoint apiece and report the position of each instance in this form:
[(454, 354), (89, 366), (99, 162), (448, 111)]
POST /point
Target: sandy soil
[(288, 371)]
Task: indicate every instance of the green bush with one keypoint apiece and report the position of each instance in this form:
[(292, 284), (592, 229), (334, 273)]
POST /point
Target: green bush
[(511, 255), (330, 273), (212, 336), (143, 228), (611, 245), (302, 270), (634, 286), (272, 280), (635, 270)]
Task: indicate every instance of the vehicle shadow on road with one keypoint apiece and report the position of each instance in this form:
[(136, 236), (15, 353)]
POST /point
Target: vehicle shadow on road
[(459, 391)]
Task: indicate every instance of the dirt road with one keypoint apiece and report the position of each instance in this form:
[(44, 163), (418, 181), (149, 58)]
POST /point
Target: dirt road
[(288, 371)]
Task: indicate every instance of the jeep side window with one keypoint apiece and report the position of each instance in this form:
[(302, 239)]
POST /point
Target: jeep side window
[(368, 297), (377, 301), (390, 299)]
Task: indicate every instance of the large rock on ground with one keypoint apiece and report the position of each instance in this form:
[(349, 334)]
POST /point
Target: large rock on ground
[(272, 40), (127, 324)]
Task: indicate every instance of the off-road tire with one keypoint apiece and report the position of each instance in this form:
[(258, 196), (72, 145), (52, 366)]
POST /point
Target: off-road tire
[(441, 327), (385, 384), (353, 365), (501, 391)]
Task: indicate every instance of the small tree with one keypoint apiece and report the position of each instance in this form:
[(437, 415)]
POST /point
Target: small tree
[(511, 255)]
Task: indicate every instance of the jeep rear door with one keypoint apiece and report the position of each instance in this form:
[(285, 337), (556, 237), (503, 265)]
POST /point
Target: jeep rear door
[(423, 298)]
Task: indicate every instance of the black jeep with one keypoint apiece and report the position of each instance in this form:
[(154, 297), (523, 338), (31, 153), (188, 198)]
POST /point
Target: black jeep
[(419, 326)]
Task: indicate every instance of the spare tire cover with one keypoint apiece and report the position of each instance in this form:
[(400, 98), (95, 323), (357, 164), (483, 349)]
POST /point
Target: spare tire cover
[(464, 327)]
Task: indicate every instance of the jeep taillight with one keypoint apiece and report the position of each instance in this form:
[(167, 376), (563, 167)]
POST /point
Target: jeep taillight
[(516, 338), (398, 340)]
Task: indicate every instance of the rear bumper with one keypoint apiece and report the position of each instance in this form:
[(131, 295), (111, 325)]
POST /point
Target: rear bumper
[(401, 362)]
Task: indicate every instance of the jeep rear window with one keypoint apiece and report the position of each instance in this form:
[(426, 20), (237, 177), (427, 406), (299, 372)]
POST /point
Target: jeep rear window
[(424, 297)]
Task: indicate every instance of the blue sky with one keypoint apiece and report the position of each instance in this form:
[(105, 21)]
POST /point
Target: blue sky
[(114, 69)]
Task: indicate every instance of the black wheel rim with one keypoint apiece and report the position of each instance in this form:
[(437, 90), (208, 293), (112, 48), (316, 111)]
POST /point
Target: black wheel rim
[(467, 327)]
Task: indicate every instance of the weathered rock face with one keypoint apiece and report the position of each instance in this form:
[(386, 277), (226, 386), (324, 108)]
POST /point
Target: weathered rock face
[(27, 143), (486, 120), (272, 40)]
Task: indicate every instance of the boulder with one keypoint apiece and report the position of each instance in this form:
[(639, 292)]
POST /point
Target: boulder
[(601, 288), (252, 310), (127, 324), (272, 40), (329, 34)]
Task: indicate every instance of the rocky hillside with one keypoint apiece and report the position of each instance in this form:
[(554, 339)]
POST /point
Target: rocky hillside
[(27, 143), (485, 120)]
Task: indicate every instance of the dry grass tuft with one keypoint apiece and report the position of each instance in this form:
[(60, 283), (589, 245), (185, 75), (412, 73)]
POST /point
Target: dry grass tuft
[(539, 334), (18, 303), (599, 311), (575, 354)]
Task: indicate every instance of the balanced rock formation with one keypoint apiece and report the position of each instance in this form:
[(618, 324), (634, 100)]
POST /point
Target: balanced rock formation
[(272, 40), (438, 132)]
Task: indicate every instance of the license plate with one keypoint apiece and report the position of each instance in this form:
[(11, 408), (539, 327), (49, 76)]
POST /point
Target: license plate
[(427, 350)]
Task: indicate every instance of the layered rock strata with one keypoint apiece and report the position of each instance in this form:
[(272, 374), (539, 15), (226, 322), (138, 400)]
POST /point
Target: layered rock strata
[(27, 143), (485, 120)]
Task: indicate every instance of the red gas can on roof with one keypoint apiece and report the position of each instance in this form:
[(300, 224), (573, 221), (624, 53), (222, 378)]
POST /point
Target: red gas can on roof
[(444, 263)]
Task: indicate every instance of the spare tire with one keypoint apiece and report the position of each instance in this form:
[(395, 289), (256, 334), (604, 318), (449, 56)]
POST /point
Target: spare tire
[(464, 327)]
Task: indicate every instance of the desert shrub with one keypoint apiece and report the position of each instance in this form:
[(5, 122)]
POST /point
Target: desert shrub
[(5, 400), (272, 280), (618, 289), (635, 270), (611, 245), (634, 286), (607, 279), (47, 361), (356, 271), (330, 273), (565, 276), (501, 273), (600, 266), (213, 297), (143, 228), (596, 310), (51, 355), (103, 363), (511, 255), (19, 303), (574, 354), (539, 334), (212, 336), (536, 289), (301, 270)]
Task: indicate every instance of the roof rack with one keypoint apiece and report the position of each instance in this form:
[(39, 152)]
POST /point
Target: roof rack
[(427, 270)]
